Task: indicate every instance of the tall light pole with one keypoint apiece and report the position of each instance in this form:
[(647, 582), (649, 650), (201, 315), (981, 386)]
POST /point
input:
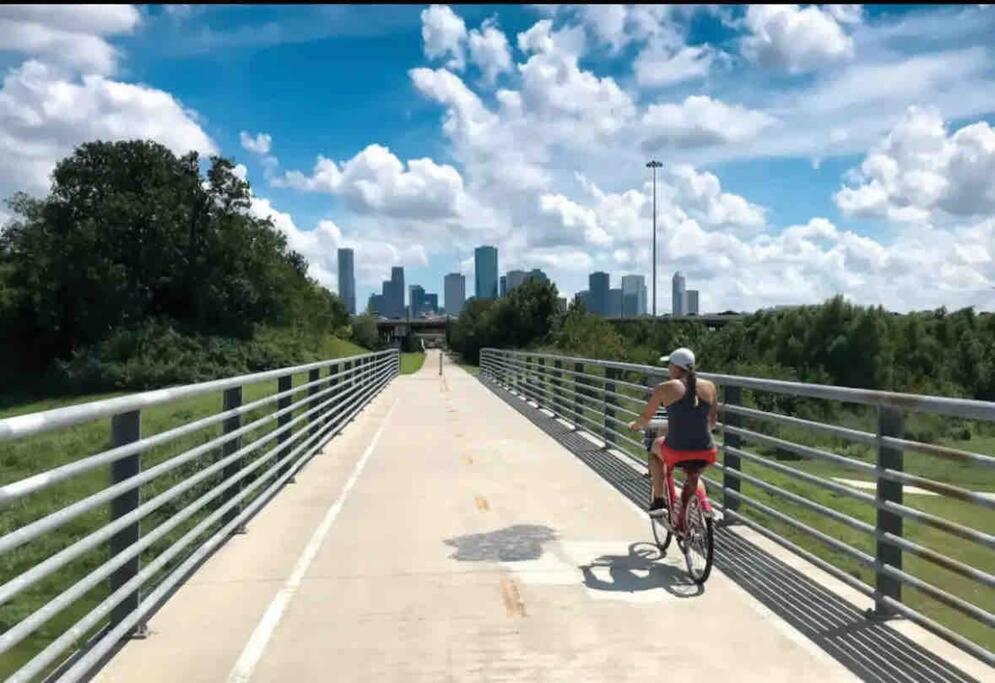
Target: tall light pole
[(653, 164)]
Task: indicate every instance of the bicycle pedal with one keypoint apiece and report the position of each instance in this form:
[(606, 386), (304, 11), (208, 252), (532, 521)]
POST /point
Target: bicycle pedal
[(659, 513)]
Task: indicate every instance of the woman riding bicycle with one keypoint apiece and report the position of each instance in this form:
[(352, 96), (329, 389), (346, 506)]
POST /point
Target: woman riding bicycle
[(692, 413)]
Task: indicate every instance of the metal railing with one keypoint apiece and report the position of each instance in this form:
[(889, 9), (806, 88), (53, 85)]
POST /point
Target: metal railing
[(210, 490), (602, 397)]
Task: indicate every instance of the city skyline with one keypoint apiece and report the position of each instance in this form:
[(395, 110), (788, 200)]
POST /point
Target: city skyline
[(788, 175)]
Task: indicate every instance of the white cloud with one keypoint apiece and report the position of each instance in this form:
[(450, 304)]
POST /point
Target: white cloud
[(698, 121), (240, 171), (701, 196), (376, 182), (71, 35), (260, 144), (489, 51), (659, 66), (45, 114), (444, 34), (919, 172), (798, 39), (607, 22)]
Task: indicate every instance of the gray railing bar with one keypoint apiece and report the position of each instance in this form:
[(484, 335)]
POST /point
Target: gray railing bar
[(70, 595), (953, 528), (599, 378), (36, 423), (54, 562), (37, 664), (967, 408), (948, 490), (897, 541), (37, 482), (867, 437), (811, 453), (38, 527)]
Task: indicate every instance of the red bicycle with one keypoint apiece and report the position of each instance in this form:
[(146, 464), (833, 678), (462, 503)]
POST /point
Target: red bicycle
[(696, 541)]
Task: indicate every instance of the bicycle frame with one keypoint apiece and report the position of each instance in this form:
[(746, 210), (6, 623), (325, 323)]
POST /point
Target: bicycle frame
[(673, 500)]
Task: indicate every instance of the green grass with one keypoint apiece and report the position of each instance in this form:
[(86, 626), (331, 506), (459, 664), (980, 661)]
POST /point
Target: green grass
[(25, 457), (412, 362)]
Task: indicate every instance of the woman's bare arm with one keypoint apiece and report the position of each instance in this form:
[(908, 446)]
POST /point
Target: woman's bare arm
[(660, 395)]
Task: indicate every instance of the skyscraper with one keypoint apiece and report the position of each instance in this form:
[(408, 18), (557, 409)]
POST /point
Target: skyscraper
[(455, 291), (485, 261), (633, 295), (347, 280), (397, 303), (431, 303), (678, 303), (599, 284), (537, 274), (503, 287), (691, 298), (516, 278), (416, 299), (615, 303)]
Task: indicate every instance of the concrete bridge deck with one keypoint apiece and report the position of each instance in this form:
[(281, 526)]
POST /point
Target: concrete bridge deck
[(442, 537)]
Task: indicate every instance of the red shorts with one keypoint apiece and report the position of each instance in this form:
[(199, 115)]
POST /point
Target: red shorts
[(673, 457)]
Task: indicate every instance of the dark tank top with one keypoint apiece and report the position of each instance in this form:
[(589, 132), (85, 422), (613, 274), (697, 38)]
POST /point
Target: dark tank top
[(687, 428)]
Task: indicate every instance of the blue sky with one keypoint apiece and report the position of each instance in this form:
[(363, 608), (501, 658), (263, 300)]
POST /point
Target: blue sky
[(808, 150)]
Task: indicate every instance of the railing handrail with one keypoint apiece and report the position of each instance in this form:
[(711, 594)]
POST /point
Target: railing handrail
[(31, 424), (956, 407)]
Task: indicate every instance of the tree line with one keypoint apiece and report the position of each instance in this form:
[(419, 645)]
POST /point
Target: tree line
[(137, 269), (836, 342)]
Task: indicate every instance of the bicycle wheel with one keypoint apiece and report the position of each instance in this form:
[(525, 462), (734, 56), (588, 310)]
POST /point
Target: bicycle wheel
[(698, 542), (660, 534)]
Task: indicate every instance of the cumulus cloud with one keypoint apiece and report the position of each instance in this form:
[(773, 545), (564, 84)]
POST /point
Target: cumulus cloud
[(798, 39), (657, 65), (44, 114), (444, 34), (376, 181), (918, 172), (70, 35), (489, 51), (699, 120), (259, 144)]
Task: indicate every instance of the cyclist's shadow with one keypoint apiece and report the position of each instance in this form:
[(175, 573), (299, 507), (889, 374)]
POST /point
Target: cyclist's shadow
[(640, 570)]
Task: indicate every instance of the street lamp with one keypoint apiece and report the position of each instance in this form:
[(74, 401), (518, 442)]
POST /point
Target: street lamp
[(654, 165)]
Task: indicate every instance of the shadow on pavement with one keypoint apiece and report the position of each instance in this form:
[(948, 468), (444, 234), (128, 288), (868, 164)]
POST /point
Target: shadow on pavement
[(872, 650), (639, 570)]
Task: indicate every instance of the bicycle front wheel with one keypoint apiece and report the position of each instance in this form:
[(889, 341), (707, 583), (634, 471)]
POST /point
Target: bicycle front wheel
[(660, 534), (699, 542)]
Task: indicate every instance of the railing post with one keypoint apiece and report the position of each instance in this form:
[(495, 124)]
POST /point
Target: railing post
[(731, 463), (313, 376), (611, 374), (284, 384), (557, 382), (232, 399), (126, 428), (891, 422), (579, 397), (543, 383), (332, 395)]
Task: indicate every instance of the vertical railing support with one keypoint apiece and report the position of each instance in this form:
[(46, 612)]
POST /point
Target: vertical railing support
[(232, 399), (126, 428), (543, 383), (731, 462), (611, 374), (558, 389), (579, 403), (284, 384), (333, 395), (891, 422), (315, 419)]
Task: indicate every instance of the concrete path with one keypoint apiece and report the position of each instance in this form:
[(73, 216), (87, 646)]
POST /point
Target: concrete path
[(442, 537)]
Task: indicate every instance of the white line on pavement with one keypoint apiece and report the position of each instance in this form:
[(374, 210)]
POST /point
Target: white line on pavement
[(247, 661)]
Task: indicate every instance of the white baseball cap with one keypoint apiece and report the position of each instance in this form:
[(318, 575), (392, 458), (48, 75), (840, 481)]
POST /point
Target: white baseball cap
[(682, 358)]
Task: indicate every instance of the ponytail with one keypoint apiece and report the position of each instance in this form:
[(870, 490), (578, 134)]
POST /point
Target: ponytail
[(693, 386)]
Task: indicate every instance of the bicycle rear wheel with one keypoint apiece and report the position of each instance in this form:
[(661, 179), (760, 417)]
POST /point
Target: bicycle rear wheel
[(699, 542), (661, 534)]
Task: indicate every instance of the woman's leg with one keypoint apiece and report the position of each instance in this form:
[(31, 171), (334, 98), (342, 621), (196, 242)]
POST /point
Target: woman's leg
[(691, 483), (656, 470)]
